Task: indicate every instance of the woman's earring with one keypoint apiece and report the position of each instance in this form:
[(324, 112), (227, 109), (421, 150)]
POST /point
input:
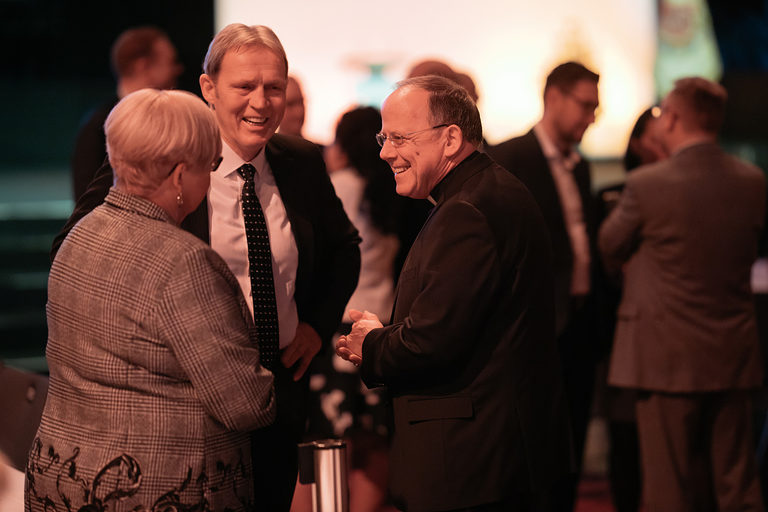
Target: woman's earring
[(179, 199)]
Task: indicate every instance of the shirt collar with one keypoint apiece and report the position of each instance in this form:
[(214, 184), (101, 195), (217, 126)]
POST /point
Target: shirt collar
[(693, 144), (550, 150), (452, 182), (231, 161), (137, 204)]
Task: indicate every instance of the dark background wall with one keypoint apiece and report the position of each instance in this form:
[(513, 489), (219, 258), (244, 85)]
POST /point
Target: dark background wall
[(55, 70), (56, 65), (741, 29)]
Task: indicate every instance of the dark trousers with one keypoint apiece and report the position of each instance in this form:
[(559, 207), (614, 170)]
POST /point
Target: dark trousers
[(578, 349), (762, 458), (516, 502), (697, 452), (274, 449), (624, 466)]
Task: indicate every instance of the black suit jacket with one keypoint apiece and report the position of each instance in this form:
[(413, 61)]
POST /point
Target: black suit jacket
[(524, 157), (90, 148), (470, 358), (329, 256)]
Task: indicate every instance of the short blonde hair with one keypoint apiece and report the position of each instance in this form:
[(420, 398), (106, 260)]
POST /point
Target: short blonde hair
[(235, 36), (149, 131)]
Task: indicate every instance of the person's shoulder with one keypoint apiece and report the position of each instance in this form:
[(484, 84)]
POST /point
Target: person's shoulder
[(499, 200), (95, 117), (513, 145), (295, 159), (147, 229), (291, 145), (660, 170), (495, 190), (745, 168), (150, 241), (183, 250)]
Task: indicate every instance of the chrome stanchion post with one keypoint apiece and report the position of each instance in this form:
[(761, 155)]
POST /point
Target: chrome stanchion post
[(323, 464)]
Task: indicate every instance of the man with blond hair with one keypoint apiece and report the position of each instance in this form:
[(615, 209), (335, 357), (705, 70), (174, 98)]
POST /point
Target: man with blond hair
[(315, 255), (685, 233), (272, 215)]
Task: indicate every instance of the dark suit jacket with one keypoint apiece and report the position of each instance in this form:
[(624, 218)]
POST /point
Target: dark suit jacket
[(470, 359), (90, 148), (685, 232), (524, 158), (329, 256)]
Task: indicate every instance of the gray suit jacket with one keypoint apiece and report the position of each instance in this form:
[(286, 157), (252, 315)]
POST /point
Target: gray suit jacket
[(155, 377), (686, 231)]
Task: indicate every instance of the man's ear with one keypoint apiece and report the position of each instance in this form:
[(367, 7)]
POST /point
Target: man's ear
[(635, 145), (208, 88), (552, 95), (669, 122), (454, 140)]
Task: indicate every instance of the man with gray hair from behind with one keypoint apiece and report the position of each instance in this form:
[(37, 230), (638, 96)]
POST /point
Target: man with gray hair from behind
[(685, 235)]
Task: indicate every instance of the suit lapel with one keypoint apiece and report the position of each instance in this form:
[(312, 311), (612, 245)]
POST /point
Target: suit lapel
[(542, 184), (284, 167)]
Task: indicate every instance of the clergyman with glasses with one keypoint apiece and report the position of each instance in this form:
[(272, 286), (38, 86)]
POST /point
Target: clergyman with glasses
[(547, 162), (469, 359)]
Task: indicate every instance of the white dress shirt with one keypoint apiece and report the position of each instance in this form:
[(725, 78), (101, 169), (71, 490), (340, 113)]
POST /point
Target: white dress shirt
[(561, 166), (227, 230)]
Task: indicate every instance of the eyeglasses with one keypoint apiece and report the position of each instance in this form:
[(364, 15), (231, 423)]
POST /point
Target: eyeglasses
[(398, 140), (214, 165), (587, 106)]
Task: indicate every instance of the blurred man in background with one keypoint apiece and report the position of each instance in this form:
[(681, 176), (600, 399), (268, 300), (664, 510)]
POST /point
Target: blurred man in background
[(685, 235), (141, 57)]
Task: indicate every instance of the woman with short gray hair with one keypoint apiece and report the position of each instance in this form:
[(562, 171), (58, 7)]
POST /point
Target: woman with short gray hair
[(155, 379)]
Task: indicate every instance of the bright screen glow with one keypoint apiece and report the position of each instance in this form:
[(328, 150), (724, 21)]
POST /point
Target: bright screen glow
[(507, 46)]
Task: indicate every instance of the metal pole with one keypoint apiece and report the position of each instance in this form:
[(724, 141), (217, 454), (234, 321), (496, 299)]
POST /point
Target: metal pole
[(328, 474)]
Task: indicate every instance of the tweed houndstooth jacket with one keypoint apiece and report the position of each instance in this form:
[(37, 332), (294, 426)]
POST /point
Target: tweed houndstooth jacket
[(155, 377)]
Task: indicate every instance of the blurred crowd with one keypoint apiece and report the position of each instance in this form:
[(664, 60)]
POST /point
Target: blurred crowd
[(652, 314)]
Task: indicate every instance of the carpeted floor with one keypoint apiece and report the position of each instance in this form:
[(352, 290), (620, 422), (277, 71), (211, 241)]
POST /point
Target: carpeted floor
[(594, 495)]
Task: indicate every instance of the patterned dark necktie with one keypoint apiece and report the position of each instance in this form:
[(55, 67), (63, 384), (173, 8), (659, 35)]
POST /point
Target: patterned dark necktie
[(260, 263)]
